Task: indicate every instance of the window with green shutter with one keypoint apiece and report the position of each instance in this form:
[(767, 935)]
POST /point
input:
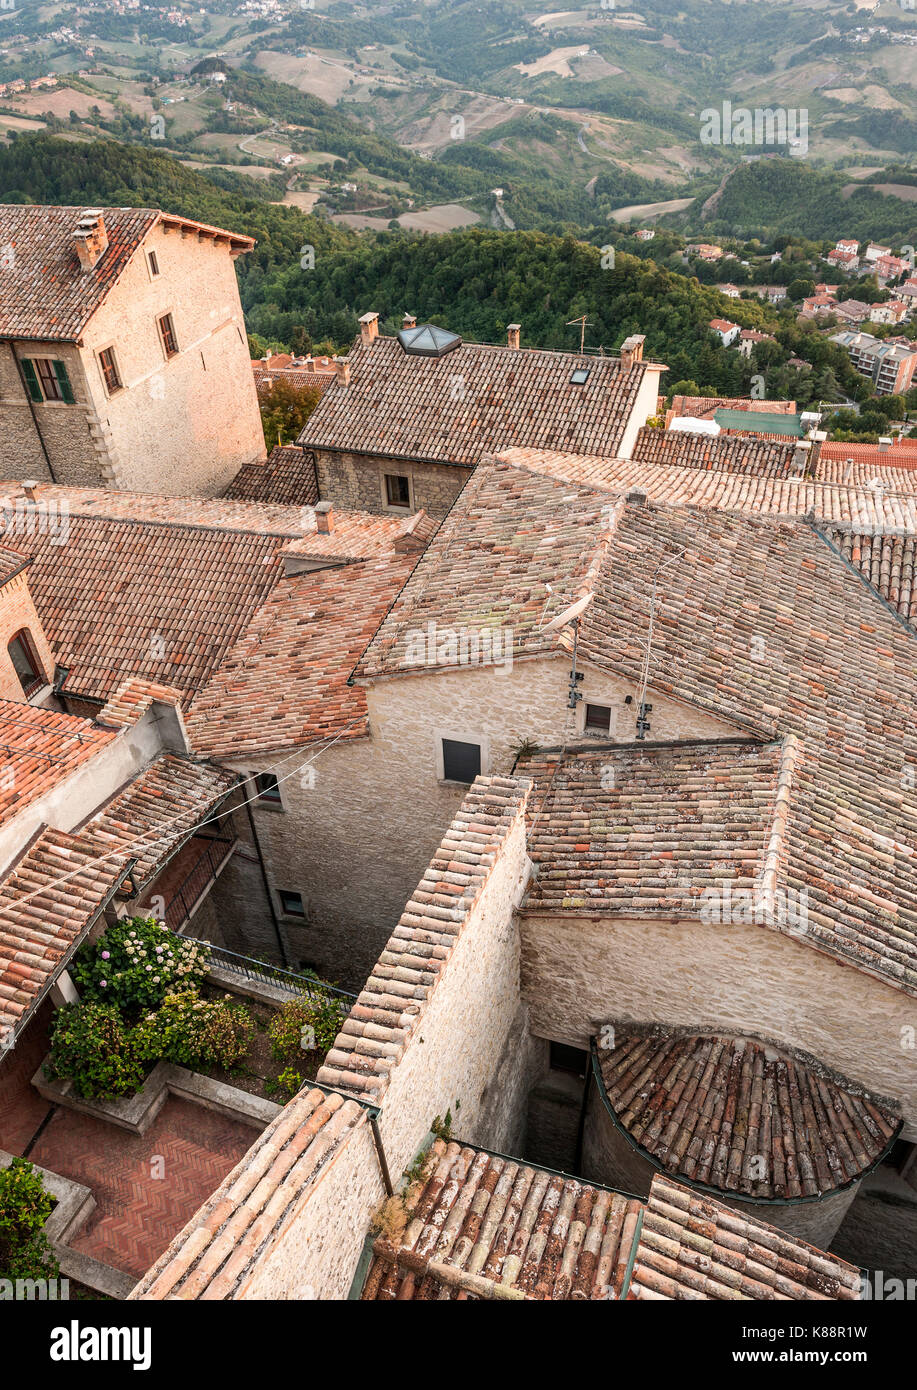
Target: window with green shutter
[(31, 379), (63, 381)]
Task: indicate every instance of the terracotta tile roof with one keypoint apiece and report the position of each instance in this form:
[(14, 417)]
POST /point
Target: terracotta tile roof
[(41, 917), (38, 749), (760, 623), (692, 1247), (301, 378), (46, 294), (131, 700), (284, 682), (484, 1227), (888, 559), (741, 1116), (215, 1254), (644, 828), (288, 477), (902, 454), (705, 407), (363, 536), (510, 534), (209, 513), (404, 406), (164, 602), (737, 453), (157, 811), (396, 995), (854, 504), (11, 563)]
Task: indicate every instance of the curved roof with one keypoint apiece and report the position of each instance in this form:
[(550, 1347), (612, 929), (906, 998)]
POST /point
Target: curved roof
[(740, 1116)]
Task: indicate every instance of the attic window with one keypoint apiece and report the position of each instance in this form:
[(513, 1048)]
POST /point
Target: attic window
[(426, 340), (579, 376)]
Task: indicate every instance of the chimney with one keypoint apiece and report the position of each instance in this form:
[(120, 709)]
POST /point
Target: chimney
[(369, 328), (90, 238), (410, 321), (884, 444), (323, 518), (513, 331), (818, 438), (342, 371), (802, 458), (29, 487), (632, 350), (636, 497)]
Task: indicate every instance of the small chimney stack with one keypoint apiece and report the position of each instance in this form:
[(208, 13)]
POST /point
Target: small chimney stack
[(636, 497), (632, 350), (513, 330), (323, 518), (410, 321), (818, 438), (90, 238), (369, 328), (342, 371), (885, 444), (28, 488), (802, 458)]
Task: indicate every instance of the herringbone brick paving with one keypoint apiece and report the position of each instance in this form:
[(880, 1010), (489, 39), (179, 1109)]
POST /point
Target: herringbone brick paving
[(146, 1186)]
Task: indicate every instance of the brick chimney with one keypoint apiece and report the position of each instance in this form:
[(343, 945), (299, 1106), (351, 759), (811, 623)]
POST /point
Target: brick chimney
[(29, 487), (369, 328), (324, 524), (410, 321), (513, 331), (802, 457), (90, 238), (885, 444), (342, 371), (632, 350)]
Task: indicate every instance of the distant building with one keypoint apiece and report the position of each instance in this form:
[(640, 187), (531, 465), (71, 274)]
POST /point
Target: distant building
[(890, 366), (727, 330)]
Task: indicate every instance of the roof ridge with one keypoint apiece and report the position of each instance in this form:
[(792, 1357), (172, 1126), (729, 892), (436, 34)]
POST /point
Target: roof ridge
[(776, 846)]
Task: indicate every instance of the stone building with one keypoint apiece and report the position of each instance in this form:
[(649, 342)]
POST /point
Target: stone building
[(409, 417), (123, 355)]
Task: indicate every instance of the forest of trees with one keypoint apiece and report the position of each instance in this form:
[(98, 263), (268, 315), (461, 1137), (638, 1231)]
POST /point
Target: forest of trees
[(473, 281)]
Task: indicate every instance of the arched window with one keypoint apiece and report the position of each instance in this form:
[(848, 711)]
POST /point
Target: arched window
[(28, 667)]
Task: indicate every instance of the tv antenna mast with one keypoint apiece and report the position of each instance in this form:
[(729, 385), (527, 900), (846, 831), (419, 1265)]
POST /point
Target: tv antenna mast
[(583, 324)]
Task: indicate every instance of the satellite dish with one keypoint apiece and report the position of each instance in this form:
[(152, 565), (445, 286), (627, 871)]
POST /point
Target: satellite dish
[(568, 614)]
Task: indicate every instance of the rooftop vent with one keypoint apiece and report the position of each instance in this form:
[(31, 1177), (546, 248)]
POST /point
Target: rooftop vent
[(426, 340)]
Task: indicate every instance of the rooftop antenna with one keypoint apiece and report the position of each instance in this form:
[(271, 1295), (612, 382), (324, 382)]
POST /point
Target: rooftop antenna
[(584, 324), (572, 614)]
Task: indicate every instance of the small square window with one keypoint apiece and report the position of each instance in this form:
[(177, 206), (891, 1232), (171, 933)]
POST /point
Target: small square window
[(579, 376), (291, 904), (461, 761), (110, 370), (154, 263), (598, 719), (268, 789), (167, 333), (397, 490)]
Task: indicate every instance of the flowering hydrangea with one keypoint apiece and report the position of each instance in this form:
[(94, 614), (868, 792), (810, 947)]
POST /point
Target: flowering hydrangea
[(136, 963)]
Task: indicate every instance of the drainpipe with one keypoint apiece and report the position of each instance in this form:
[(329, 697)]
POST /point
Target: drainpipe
[(267, 886), (584, 1105), (31, 405)]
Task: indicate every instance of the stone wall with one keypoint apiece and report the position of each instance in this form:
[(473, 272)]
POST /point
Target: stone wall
[(184, 425), (17, 611), (580, 971), (465, 1048), (70, 454), (356, 833), (356, 482)]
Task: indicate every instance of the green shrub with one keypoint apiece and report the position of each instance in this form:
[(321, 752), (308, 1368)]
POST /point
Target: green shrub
[(306, 1025), (25, 1206), (136, 963), (196, 1032), (92, 1046), (288, 1082)]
